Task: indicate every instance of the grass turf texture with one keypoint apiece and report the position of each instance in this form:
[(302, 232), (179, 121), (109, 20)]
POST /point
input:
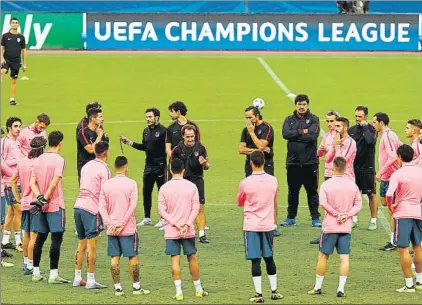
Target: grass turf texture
[(217, 88)]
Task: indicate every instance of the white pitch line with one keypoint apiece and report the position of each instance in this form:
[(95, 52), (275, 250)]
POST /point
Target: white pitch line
[(381, 216)]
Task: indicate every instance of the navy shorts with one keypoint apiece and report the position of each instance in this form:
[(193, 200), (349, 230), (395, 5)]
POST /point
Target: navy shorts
[(384, 188), (10, 199), (52, 222), (29, 222), (173, 246), (258, 244), (406, 231), (3, 210), (126, 245), (340, 241), (87, 225)]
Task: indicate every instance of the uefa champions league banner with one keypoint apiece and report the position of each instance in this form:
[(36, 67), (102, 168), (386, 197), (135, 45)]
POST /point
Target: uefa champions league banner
[(252, 32)]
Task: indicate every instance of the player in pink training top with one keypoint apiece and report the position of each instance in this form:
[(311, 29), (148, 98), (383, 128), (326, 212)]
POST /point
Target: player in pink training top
[(30, 222), (88, 221), (36, 129), (404, 200), (46, 184), (118, 201), (341, 200), (387, 162), (327, 143), (178, 205), (257, 195), (413, 131), (12, 154)]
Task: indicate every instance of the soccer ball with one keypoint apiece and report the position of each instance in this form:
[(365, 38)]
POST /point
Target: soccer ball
[(258, 103)]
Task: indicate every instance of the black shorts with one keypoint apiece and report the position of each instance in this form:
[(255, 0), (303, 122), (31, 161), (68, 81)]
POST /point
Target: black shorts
[(366, 183), (14, 67), (199, 182), (268, 168)]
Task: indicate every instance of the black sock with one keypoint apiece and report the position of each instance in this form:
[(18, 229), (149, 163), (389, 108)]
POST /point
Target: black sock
[(39, 243), (56, 243)]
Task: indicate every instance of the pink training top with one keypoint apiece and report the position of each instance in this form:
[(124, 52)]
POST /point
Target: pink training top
[(406, 186), (93, 175), (339, 195), (5, 170), (257, 194), (118, 201), (328, 140), (26, 135), (346, 150), (48, 166), (387, 159), (24, 172), (178, 203), (12, 153), (417, 148)]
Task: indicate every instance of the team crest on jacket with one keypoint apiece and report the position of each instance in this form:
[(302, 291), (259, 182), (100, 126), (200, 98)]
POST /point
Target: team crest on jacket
[(307, 121), (196, 154), (157, 134), (19, 40), (259, 131)]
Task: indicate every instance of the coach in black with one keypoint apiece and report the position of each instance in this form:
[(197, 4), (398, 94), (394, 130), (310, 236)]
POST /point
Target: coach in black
[(301, 130), (195, 157), (13, 56), (154, 145)]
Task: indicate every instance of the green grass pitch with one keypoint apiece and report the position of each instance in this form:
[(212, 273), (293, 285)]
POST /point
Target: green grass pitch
[(216, 90)]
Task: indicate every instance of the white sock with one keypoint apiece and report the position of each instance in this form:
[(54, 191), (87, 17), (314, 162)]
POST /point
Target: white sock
[(178, 285), (137, 285), (374, 220), (419, 277), (12, 99), (54, 273), (78, 275), (6, 237), (30, 264), (392, 238), (257, 282), (36, 271), (355, 219), (201, 233), (318, 282), (273, 281), (90, 277), (117, 286), (409, 282), (341, 283), (18, 239), (198, 286), (25, 260)]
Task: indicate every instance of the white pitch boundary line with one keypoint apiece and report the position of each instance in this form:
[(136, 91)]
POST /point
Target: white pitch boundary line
[(381, 216)]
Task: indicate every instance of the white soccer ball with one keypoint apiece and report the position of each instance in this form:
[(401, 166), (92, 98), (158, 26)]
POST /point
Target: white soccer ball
[(258, 103)]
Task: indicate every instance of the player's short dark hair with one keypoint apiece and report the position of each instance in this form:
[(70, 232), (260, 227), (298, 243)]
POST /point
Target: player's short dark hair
[(188, 127), (340, 163), (93, 113), (255, 111), (179, 106), (12, 120), (405, 152), (258, 158), (177, 166), (93, 104), (14, 19), (382, 117), (101, 147), (415, 122), (301, 98), (37, 147), (333, 113), (154, 111), (362, 108), (54, 138), (43, 118), (120, 162), (345, 121)]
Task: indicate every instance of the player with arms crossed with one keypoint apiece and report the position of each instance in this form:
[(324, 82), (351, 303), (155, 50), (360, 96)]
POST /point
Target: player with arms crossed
[(13, 56), (178, 205), (87, 217), (341, 200), (387, 162), (36, 129), (118, 201), (412, 131), (257, 194), (46, 184), (23, 173), (404, 200)]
